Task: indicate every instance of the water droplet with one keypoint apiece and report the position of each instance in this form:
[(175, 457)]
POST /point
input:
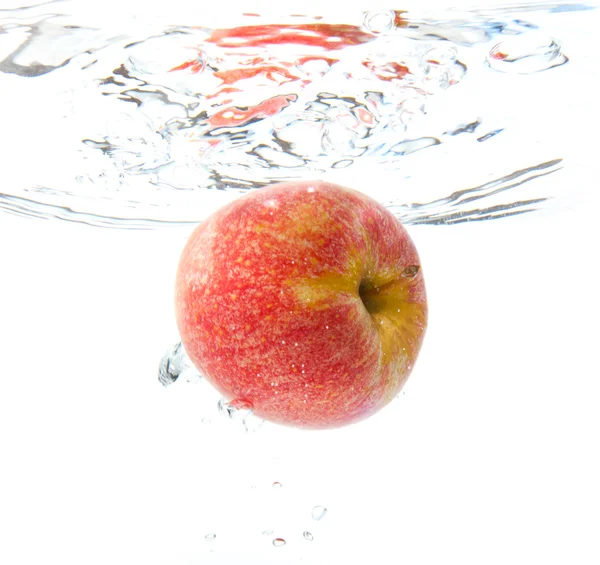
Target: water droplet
[(252, 423), (277, 484), (411, 271), (278, 542), (379, 22), (318, 512), (308, 536), (210, 537), (526, 53), (174, 364), (236, 409)]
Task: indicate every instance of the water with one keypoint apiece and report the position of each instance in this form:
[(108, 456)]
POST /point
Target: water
[(174, 364), (488, 155), (318, 512), (156, 125)]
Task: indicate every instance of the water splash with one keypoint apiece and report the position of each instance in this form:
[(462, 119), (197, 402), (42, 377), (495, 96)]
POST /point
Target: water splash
[(146, 123), (175, 364)]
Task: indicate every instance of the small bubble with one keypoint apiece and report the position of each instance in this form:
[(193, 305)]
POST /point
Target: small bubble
[(440, 55), (278, 542), (310, 189), (236, 409), (210, 537), (318, 512), (277, 484), (379, 22), (308, 536), (252, 423)]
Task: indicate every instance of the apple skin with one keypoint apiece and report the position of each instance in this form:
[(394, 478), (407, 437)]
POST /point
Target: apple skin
[(304, 299)]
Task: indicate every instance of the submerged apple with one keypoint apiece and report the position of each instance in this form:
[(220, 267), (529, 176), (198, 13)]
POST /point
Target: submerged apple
[(304, 299)]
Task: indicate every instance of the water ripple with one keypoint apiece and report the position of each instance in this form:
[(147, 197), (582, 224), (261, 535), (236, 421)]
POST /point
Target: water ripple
[(454, 209), (147, 125)]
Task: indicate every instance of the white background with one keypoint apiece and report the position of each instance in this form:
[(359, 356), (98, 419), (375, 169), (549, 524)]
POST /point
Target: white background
[(490, 457)]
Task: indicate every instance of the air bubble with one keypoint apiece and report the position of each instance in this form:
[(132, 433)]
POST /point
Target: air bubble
[(318, 512), (440, 55), (277, 484), (236, 409), (278, 542), (240, 410), (252, 423), (526, 53), (176, 363), (308, 536), (380, 22), (210, 537)]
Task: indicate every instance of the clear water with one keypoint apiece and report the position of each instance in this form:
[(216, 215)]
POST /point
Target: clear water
[(145, 124), (475, 126)]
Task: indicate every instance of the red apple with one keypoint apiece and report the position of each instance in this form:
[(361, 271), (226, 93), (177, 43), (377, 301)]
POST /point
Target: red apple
[(304, 299)]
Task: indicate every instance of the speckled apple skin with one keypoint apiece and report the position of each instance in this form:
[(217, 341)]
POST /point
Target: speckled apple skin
[(269, 309)]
